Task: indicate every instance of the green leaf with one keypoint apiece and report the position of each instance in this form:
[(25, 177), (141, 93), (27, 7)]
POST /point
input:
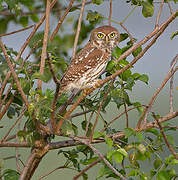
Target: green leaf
[(144, 78), (174, 34), (153, 131), (117, 156), (11, 112), (98, 134), (129, 132), (109, 142), (157, 163), (97, 2), (147, 9), (10, 174), (111, 64), (134, 172), (93, 16), (39, 76), (137, 51), (139, 136), (116, 52), (24, 21), (89, 161), (34, 17), (123, 36), (67, 127), (162, 175), (123, 152)]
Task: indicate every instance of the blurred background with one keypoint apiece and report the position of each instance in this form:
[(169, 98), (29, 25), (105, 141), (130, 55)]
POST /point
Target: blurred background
[(155, 63)]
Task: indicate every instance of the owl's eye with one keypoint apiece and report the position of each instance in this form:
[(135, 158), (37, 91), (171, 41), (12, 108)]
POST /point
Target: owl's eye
[(112, 35), (100, 35)]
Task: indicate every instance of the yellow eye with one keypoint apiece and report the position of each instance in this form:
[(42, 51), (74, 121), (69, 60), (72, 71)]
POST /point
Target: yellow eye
[(100, 35), (112, 35)]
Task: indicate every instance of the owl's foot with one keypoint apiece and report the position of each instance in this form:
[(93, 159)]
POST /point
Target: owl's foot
[(85, 92), (97, 84)]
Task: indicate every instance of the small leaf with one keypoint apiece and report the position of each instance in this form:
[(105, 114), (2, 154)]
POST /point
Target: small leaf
[(11, 112), (144, 78), (123, 152), (116, 52), (97, 2), (162, 175), (109, 142), (118, 157), (174, 34), (98, 134), (129, 132), (24, 21), (157, 163), (10, 174), (139, 136), (93, 16), (123, 36), (133, 172), (111, 64), (147, 9), (137, 51)]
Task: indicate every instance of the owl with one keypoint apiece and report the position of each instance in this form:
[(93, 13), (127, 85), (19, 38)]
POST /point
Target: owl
[(91, 61)]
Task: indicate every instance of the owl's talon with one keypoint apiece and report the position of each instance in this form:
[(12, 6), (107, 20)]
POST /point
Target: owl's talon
[(97, 84), (85, 92)]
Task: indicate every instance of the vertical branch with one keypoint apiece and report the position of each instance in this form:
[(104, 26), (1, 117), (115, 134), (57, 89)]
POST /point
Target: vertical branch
[(78, 28), (159, 14), (174, 61), (61, 20), (45, 40), (126, 114), (110, 12)]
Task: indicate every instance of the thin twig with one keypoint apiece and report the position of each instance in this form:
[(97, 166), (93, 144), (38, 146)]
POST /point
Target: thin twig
[(6, 95), (61, 20), (110, 12), (86, 142), (78, 28), (159, 14), (33, 32), (86, 168), (45, 41), (173, 63), (20, 30), (99, 109), (60, 167), (148, 107), (116, 118), (14, 74), (130, 36), (126, 114), (164, 136), (88, 122), (18, 120), (170, 8)]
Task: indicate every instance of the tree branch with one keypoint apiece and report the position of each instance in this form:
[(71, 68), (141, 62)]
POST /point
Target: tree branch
[(45, 41), (78, 28)]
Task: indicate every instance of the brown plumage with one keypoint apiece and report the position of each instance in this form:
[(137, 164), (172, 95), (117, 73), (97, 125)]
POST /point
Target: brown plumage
[(91, 61)]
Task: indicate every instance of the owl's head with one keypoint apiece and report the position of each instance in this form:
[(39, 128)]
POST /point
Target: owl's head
[(105, 37)]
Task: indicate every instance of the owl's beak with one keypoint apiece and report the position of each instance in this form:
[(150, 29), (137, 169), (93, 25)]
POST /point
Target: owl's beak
[(107, 40)]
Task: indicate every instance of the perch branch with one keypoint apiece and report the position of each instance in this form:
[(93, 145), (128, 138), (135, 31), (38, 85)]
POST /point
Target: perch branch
[(159, 14)]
